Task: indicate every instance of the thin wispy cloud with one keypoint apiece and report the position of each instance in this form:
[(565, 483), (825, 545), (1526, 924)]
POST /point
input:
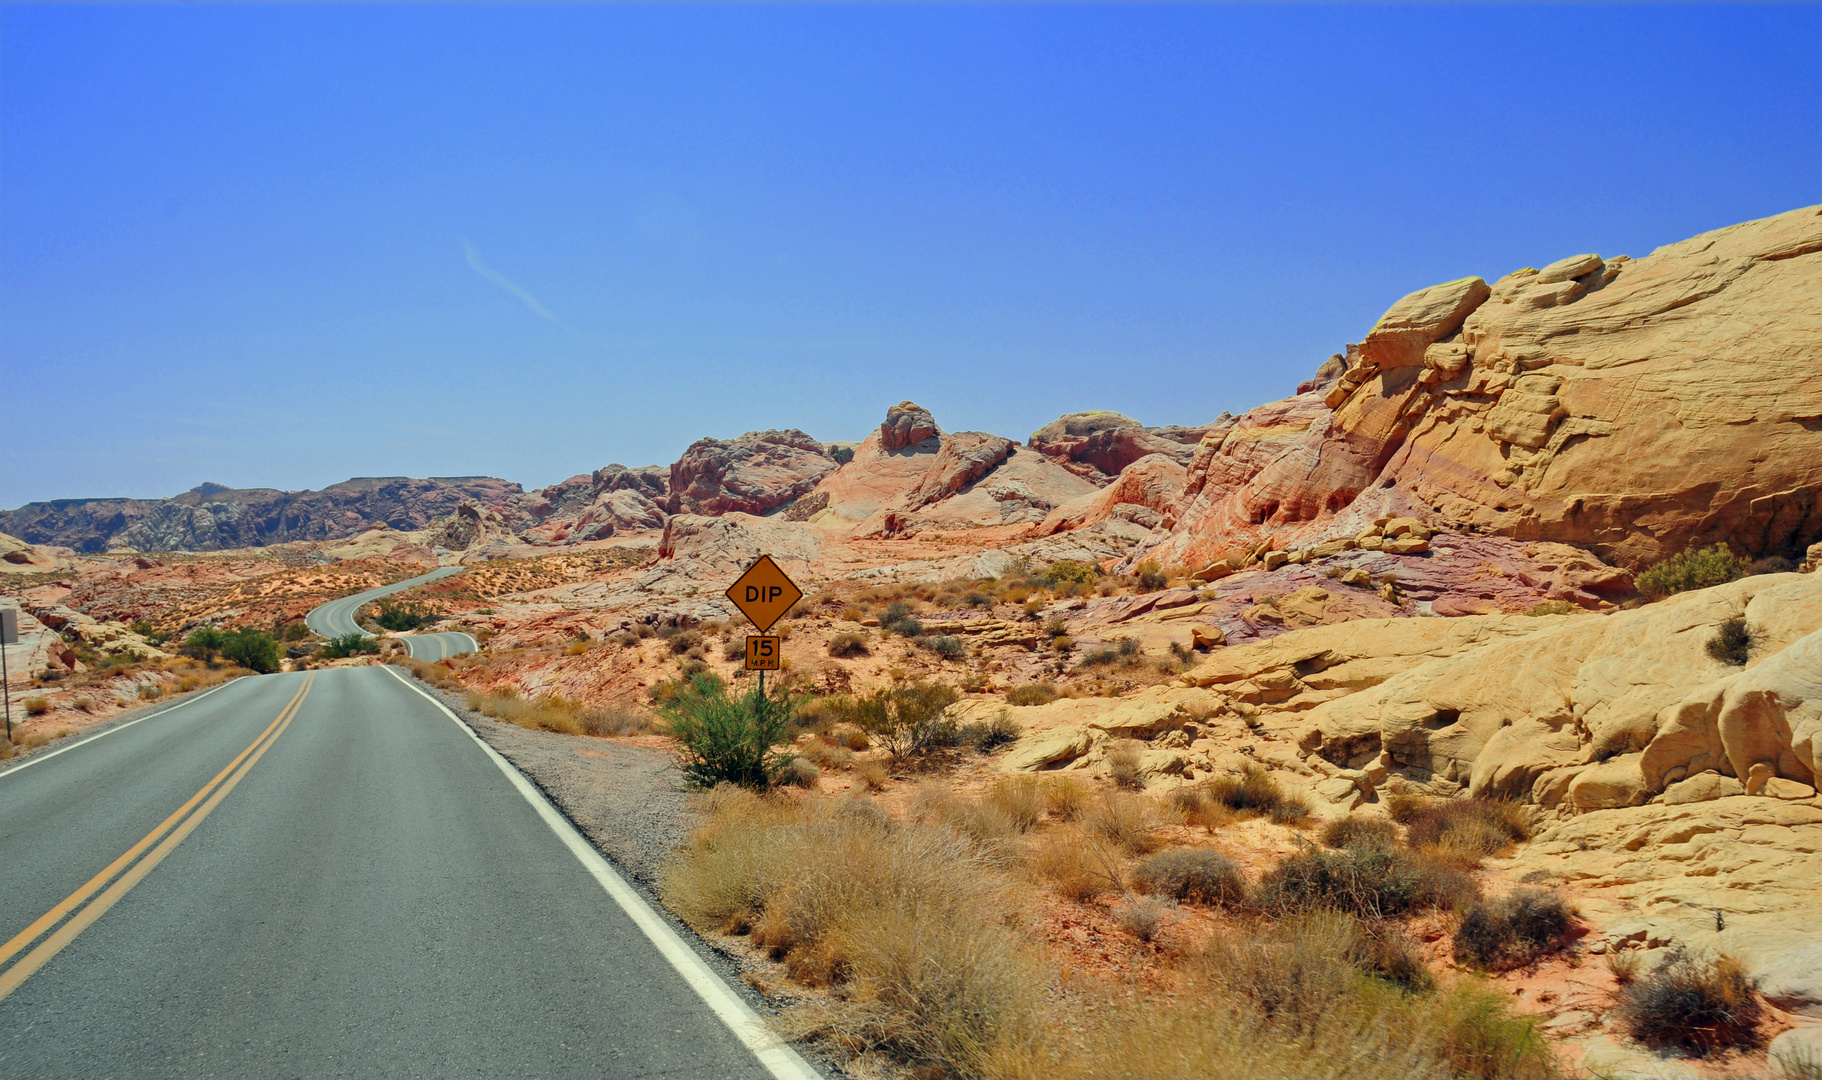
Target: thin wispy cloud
[(488, 272)]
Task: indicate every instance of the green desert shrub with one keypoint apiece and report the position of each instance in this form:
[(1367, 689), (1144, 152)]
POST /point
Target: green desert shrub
[(404, 616), (947, 646), (1512, 931), (727, 738), (1070, 571), (1195, 875), (1698, 569), (351, 644), (203, 643), (1732, 642), (1693, 1003), (251, 649), (1150, 576), (908, 721)]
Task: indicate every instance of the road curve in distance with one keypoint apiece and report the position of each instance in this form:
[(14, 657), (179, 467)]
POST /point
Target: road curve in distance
[(336, 618), (434, 647)]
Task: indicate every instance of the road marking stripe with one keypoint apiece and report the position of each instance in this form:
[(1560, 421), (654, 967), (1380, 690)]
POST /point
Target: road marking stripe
[(778, 1058), (18, 973), (29, 762)]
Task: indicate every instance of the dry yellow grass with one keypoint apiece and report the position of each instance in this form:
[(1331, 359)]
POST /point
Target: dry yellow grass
[(918, 934)]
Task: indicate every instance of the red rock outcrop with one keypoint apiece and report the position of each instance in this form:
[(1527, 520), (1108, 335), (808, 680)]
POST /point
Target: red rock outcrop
[(907, 424), (965, 480), (1145, 493), (753, 474), (1634, 407), (1099, 445)]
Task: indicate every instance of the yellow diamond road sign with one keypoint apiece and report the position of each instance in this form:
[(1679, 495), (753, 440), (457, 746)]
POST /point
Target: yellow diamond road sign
[(763, 594)]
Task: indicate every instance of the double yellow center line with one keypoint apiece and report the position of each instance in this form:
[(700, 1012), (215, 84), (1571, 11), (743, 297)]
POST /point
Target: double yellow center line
[(127, 871)]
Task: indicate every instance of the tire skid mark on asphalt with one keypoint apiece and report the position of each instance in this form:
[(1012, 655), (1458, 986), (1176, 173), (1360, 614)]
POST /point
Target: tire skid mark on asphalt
[(124, 872)]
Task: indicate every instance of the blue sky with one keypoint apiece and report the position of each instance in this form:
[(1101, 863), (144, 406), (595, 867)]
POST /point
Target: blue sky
[(283, 246)]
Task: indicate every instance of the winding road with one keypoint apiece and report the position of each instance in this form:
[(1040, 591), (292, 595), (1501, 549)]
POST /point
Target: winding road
[(327, 873), (336, 619)]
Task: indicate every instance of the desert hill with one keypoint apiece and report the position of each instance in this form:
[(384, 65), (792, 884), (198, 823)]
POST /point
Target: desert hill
[(1440, 573), (212, 517)]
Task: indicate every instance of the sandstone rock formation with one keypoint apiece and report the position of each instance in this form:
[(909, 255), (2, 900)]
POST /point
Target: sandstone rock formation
[(1098, 445), (969, 479), (907, 425), (753, 474), (1145, 493), (212, 517), (19, 557), (1564, 404), (1599, 712)]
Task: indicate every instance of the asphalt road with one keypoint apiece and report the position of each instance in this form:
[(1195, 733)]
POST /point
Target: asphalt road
[(324, 874), (336, 618), (439, 646)]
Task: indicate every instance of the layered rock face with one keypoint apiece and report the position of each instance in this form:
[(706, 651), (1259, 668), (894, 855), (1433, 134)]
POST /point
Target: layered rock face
[(595, 506), (1635, 407), (909, 475), (753, 474), (212, 517), (1594, 713), (1098, 445)]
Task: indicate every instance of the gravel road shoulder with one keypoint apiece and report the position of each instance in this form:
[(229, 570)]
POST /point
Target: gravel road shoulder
[(629, 800)]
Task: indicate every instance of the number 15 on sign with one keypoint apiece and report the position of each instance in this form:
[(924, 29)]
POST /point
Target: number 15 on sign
[(764, 651)]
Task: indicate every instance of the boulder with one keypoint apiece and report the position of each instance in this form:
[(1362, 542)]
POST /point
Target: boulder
[(1632, 696), (1059, 747), (907, 425), (1401, 336), (1702, 787), (1206, 637)]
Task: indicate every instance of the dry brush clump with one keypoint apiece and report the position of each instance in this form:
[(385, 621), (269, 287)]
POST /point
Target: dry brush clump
[(1254, 791), (1693, 1003), (547, 713), (1321, 996), (1461, 830), (1194, 875), (912, 926), (1514, 930), (1373, 883), (917, 935), (1358, 830)]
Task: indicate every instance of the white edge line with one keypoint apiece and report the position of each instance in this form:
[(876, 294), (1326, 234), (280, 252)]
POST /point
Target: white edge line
[(118, 727), (777, 1057)]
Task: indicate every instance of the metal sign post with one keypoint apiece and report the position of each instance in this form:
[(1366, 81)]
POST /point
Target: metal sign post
[(763, 594), (9, 635)]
